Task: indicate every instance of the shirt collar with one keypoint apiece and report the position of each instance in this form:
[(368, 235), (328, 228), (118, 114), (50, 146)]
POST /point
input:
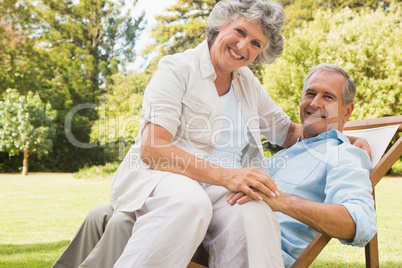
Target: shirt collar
[(331, 134), (206, 67)]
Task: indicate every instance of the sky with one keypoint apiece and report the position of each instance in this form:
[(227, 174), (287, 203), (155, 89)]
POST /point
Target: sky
[(151, 8)]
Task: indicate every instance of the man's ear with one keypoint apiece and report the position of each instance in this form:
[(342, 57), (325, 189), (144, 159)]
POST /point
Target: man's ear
[(348, 111)]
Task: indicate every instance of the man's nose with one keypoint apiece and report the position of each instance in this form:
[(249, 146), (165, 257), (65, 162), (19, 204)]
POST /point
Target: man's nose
[(317, 102)]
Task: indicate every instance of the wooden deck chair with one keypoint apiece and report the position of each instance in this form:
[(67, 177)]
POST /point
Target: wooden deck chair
[(378, 132)]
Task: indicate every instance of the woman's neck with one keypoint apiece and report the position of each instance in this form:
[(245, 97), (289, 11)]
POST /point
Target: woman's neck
[(222, 83)]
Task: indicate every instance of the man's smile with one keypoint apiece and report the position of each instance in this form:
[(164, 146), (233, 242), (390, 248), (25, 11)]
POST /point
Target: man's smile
[(318, 115)]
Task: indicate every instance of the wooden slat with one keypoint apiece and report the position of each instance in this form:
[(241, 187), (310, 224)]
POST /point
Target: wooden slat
[(312, 251), (374, 122), (371, 253), (195, 265)]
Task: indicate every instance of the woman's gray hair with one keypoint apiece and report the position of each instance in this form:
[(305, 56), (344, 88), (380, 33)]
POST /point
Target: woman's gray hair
[(349, 90), (270, 14)]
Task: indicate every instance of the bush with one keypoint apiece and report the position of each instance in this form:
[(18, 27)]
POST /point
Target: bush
[(96, 171)]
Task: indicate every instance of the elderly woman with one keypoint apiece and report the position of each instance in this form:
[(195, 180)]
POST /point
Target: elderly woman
[(200, 138)]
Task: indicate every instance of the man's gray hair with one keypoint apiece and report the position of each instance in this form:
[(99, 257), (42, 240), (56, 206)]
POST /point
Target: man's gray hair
[(270, 14), (349, 90)]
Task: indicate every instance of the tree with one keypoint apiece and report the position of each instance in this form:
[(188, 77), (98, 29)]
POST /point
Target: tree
[(182, 28), (88, 41), (66, 51), (299, 11), (366, 44), (120, 111), (25, 125)]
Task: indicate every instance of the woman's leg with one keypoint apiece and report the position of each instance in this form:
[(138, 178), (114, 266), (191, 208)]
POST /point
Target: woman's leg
[(242, 236), (170, 225)]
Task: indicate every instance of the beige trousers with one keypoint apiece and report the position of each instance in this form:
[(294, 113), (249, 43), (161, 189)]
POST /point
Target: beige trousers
[(169, 227), (99, 232)]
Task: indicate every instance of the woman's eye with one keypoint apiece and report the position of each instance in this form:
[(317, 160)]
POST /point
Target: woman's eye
[(255, 43), (241, 32)]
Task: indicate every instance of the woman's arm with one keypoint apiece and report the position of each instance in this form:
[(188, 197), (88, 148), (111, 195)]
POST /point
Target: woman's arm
[(159, 153), (293, 134)]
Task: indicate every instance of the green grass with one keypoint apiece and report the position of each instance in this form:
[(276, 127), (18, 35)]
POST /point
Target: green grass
[(39, 213)]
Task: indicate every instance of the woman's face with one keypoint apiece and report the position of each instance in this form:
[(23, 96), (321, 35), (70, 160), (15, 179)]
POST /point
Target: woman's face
[(237, 45)]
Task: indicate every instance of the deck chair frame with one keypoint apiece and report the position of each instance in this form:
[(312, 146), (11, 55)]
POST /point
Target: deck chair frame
[(377, 173)]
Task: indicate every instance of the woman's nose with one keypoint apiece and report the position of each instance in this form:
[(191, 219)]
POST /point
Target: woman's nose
[(242, 44)]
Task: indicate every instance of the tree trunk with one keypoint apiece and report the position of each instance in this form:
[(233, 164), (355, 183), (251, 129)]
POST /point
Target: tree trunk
[(25, 163)]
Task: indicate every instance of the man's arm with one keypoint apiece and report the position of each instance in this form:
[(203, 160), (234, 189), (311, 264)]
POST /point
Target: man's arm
[(331, 219)]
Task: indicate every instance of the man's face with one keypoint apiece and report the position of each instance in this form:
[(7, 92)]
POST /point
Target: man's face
[(321, 108)]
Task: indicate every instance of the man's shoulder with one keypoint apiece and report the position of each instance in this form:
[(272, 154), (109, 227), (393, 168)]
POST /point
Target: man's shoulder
[(347, 154)]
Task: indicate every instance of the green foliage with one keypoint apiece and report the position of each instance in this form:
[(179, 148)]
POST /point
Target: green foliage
[(366, 44), (299, 11), (25, 124), (95, 171), (86, 41), (120, 110), (182, 28), (66, 51)]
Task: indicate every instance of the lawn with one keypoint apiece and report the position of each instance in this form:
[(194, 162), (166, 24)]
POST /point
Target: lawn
[(41, 212)]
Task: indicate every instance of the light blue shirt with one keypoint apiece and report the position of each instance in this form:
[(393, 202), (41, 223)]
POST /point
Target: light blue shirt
[(325, 169)]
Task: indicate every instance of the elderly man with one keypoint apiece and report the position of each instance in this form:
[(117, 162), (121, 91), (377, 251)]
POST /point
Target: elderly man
[(324, 180)]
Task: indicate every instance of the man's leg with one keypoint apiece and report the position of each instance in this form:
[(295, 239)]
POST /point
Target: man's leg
[(113, 241), (242, 236), (86, 238), (170, 225)]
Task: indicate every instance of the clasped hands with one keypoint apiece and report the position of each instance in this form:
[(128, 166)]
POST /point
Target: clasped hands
[(248, 184)]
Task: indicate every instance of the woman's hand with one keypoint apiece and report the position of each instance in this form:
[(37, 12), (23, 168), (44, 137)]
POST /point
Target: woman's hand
[(250, 182), (360, 143), (239, 198)]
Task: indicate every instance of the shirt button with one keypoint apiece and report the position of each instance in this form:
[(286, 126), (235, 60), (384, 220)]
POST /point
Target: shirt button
[(286, 156)]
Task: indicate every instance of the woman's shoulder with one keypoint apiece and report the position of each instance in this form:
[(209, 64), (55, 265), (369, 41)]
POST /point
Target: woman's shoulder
[(179, 62)]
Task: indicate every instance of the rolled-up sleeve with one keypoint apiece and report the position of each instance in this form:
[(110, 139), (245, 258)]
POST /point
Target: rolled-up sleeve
[(162, 97), (348, 184)]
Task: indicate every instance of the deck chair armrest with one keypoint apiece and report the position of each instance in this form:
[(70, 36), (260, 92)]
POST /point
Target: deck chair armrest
[(312, 251)]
